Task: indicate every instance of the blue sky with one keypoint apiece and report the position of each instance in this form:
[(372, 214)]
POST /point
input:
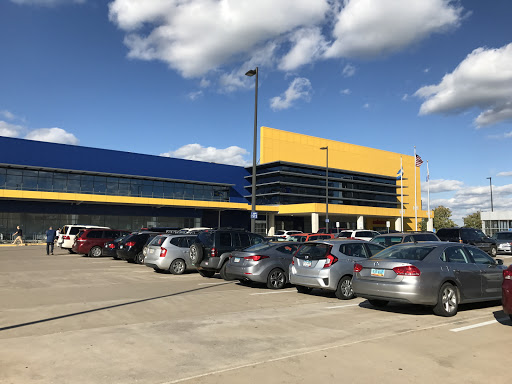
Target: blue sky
[(167, 77)]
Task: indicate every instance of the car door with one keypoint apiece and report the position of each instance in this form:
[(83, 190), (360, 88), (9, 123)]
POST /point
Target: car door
[(284, 254), (353, 253), (460, 267), (184, 244), (491, 272)]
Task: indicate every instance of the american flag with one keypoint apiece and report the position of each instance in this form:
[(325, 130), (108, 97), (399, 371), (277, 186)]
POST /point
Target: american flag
[(418, 161)]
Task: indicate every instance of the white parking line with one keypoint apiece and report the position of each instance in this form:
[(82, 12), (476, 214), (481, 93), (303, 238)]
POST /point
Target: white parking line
[(343, 306), (270, 293), (220, 283), (478, 325)]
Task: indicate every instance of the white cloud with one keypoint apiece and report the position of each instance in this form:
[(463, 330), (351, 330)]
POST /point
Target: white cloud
[(204, 83), (426, 70), (370, 28), (195, 95), (47, 3), (52, 135), (442, 185), (308, 45), (348, 71), (232, 155), (299, 89), (8, 115), (366, 106), (405, 97), (346, 91), (509, 173), (506, 135), (482, 80), (10, 130)]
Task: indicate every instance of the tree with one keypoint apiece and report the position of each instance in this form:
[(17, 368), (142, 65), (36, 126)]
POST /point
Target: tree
[(423, 224), (442, 218), (473, 220)]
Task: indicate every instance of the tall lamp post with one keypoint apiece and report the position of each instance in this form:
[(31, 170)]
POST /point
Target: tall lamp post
[(490, 185), (254, 214), (326, 148)]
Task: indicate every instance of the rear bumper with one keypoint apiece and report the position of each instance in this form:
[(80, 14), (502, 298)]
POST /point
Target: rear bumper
[(405, 291), (253, 273), (507, 296), (126, 254), (157, 263), (321, 280)]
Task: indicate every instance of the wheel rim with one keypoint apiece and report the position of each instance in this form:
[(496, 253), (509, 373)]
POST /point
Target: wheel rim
[(178, 267), (277, 279), (449, 300), (494, 251), (96, 252), (346, 288), (193, 254), (141, 258)]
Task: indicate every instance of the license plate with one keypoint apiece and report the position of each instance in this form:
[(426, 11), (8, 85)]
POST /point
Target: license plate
[(236, 259), (307, 263), (377, 272)]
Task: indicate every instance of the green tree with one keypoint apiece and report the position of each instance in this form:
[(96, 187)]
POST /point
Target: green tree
[(423, 224), (442, 218), (473, 220)]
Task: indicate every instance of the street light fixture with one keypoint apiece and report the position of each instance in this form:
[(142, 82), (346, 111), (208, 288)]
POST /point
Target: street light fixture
[(254, 214), (490, 185), (326, 148)]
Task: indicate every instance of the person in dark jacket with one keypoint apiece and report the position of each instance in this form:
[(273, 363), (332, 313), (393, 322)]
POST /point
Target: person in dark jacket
[(50, 239), (18, 236)]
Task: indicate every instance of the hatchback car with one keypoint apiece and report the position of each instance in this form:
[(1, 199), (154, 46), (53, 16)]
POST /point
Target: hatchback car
[(169, 253), (262, 263), (329, 265), (438, 274), (359, 234), (303, 237), (91, 241), (471, 236), (390, 239), (503, 241), (506, 291)]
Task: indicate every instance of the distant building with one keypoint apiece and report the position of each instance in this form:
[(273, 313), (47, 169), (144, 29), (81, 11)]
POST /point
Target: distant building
[(496, 221)]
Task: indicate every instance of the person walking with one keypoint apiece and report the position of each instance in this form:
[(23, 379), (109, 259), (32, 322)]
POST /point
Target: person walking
[(50, 240), (18, 236)]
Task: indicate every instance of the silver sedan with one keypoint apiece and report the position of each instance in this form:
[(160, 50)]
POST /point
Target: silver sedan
[(438, 274), (170, 253)]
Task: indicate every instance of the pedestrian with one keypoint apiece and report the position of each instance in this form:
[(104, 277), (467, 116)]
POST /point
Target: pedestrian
[(18, 235), (57, 233), (50, 239)]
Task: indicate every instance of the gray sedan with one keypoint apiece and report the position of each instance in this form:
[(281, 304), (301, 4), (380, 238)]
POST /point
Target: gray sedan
[(263, 263), (329, 265), (170, 253), (438, 274)]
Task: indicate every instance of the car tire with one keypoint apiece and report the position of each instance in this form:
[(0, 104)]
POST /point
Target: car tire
[(95, 252), (378, 303), (344, 290), (494, 251), (71, 251), (276, 279), (302, 289), (139, 259), (196, 254), (247, 283), (204, 273), (223, 272), (177, 267), (447, 301)]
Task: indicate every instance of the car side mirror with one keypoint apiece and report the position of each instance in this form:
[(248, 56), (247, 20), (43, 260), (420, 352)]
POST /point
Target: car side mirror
[(499, 261)]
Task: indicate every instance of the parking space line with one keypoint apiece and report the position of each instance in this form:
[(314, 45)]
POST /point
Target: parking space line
[(478, 325), (270, 293), (220, 283), (343, 306)]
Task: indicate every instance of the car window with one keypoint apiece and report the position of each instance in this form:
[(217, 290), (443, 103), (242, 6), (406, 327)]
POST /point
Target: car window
[(454, 255), (408, 239), (224, 239), (256, 239), (313, 251), (387, 241), (74, 230), (374, 248), (244, 240), (479, 256), (280, 232), (323, 237), (353, 249), (158, 240), (345, 234), (364, 234), (425, 237), (504, 236), (288, 249), (183, 242), (94, 234), (299, 239), (407, 252), (206, 238)]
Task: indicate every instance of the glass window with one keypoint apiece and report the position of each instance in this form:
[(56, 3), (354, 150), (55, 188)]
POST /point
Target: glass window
[(255, 239), (387, 241), (100, 184), (224, 239), (30, 183), (184, 243), (73, 183), (454, 255), (407, 252), (353, 249), (86, 183), (175, 241), (374, 248), (288, 249), (479, 256), (95, 235), (13, 181), (313, 251)]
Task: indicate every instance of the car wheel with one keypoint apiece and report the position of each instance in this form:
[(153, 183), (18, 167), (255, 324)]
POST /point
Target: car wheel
[(247, 283), (378, 303), (70, 251), (494, 251), (204, 273), (95, 252), (196, 254), (276, 279), (447, 301), (223, 272), (177, 267), (344, 290), (140, 258), (302, 289)]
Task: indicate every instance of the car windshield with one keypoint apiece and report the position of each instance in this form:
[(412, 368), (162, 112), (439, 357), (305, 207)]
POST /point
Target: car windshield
[(387, 241), (408, 252)]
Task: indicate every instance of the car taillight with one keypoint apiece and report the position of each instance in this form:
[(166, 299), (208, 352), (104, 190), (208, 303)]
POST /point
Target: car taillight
[(256, 257), (213, 252), (330, 261), (66, 238), (130, 243), (408, 270), (293, 260), (358, 268), (163, 252), (507, 274), (111, 246)]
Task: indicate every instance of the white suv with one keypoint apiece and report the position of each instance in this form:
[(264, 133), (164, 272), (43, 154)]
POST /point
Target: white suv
[(69, 232), (282, 233), (359, 234)]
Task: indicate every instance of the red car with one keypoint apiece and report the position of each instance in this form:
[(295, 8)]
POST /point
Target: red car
[(91, 241), (506, 291)]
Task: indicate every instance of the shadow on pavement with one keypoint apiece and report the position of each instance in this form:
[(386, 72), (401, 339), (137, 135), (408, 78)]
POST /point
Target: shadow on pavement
[(502, 318)]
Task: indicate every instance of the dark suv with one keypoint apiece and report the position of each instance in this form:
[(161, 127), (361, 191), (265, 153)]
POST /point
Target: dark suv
[(469, 236), (211, 248), (389, 239), (131, 247)]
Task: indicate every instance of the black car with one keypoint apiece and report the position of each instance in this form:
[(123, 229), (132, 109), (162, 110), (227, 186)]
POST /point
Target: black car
[(130, 247), (211, 248), (110, 247), (471, 236), (389, 239)]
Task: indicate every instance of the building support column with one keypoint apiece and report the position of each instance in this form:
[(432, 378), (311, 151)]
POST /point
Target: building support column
[(197, 222), (315, 219), (430, 225), (271, 224), (398, 224), (360, 222)]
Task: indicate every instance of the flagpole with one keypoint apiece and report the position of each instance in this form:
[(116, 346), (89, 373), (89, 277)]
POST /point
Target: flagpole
[(402, 195), (428, 194), (415, 195)]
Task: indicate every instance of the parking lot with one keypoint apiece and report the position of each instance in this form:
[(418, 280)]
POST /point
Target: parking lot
[(71, 319)]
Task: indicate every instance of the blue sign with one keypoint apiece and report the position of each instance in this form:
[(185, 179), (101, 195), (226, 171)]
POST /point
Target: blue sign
[(254, 215)]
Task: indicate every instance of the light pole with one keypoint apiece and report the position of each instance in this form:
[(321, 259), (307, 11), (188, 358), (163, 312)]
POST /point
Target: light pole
[(490, 185), (326, 148), (254, 214)]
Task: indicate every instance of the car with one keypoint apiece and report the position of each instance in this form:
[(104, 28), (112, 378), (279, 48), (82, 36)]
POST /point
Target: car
[(211, 248), (110, 247), (303, 237), (169, 253), (262, 263), (506, 291), (329, 265), (283, 233), (503, 241), (441, 275), (471, 236), (360, 234), (132, 246), (329, 230), (91, 241), (68, 233), (389, 239)]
